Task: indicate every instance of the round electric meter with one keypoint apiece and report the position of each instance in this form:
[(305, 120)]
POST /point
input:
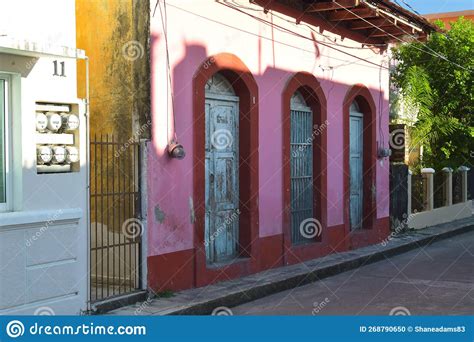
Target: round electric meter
[(72, 154), (44, 154), (59, 155), (41, 122), (70, 121), (54, 121)]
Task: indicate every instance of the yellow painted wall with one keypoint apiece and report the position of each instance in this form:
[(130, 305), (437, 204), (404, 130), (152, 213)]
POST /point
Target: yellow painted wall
[(114, 34)]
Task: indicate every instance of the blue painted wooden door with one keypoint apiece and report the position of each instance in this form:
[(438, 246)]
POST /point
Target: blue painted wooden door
[(301, 165), (222, 176), (356, 163)]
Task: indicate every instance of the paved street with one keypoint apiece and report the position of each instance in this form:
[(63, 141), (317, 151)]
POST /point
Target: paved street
[(434, 280)]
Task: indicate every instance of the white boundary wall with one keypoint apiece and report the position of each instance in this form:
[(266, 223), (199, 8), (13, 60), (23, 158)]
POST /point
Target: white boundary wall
[(43, 235)]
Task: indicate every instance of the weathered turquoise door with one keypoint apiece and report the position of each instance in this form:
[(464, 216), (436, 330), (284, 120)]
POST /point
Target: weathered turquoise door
[(301, 175), (356, 162), (221, 171)]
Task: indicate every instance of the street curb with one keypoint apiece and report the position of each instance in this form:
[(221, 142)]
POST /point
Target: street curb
[(293, 276), (113, 303)]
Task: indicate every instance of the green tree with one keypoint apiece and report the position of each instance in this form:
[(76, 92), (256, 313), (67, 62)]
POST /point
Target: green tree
[(435, 81)]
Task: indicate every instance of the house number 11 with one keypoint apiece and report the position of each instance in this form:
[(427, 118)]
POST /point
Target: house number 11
[(63, 69)]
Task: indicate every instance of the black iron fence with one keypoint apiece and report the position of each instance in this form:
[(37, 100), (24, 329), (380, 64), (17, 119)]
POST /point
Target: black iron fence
[(115, 227), (439, 190), (457, 187), (398, 194), (417, 191)]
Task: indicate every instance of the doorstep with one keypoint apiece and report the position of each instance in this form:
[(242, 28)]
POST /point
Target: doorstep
[(202, 301)]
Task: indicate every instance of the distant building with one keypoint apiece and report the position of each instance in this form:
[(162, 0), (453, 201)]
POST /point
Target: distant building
[(449, 17)]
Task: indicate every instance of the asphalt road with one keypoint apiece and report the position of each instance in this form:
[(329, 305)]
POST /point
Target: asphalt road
[(432, 280)]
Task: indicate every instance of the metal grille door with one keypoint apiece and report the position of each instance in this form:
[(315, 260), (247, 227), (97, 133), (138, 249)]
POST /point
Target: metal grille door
[(301, 193), (115, 227)]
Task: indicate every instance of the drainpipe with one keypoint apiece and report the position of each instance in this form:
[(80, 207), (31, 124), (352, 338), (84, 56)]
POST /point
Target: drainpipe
[(88, 177)]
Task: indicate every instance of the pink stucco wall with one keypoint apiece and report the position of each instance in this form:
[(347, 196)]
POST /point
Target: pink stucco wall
[(199, 29)]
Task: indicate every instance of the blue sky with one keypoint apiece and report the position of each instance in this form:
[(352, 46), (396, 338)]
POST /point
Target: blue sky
[(438, 6)]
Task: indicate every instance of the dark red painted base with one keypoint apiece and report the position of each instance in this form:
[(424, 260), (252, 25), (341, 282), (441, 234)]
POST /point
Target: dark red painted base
[(177, 271), (171, 271)]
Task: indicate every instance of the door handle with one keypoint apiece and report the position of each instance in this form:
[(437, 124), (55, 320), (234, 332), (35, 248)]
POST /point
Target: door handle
[(211, 178)]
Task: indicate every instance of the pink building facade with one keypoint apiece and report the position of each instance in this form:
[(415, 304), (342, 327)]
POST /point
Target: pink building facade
[(266, 58)]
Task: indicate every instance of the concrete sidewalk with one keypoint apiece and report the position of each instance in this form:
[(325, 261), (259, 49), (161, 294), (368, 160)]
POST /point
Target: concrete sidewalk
[(202, 301)]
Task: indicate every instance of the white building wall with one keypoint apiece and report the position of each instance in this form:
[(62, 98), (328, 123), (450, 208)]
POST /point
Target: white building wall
[(43, 236)]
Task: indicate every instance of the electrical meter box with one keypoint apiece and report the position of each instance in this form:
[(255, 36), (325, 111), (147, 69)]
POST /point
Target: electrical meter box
[(57, 136)]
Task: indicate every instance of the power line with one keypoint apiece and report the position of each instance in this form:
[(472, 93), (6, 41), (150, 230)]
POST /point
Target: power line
[(410, 7), (304, 24), (279, 42), (301, 36), (169, 83), (434, 54)]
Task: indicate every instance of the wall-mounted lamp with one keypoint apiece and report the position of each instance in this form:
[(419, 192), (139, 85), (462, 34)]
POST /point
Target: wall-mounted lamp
[(176, 150), (384, 153)]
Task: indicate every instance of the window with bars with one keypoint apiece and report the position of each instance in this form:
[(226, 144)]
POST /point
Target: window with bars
[(301, 140)]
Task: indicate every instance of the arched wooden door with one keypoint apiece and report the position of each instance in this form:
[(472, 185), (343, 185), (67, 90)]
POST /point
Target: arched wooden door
[(221, 170), (356, 165), (301, 174)]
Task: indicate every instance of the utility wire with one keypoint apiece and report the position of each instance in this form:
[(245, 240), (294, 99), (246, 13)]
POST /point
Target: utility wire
[(300, 35), (330, 40), (434, 54), (364, 60), (164, 23), (410, 7)]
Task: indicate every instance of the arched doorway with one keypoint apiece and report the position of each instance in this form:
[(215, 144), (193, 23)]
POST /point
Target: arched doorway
[(221, 170), (360, 157), (304, 169), (301, 165), (244, 86)]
